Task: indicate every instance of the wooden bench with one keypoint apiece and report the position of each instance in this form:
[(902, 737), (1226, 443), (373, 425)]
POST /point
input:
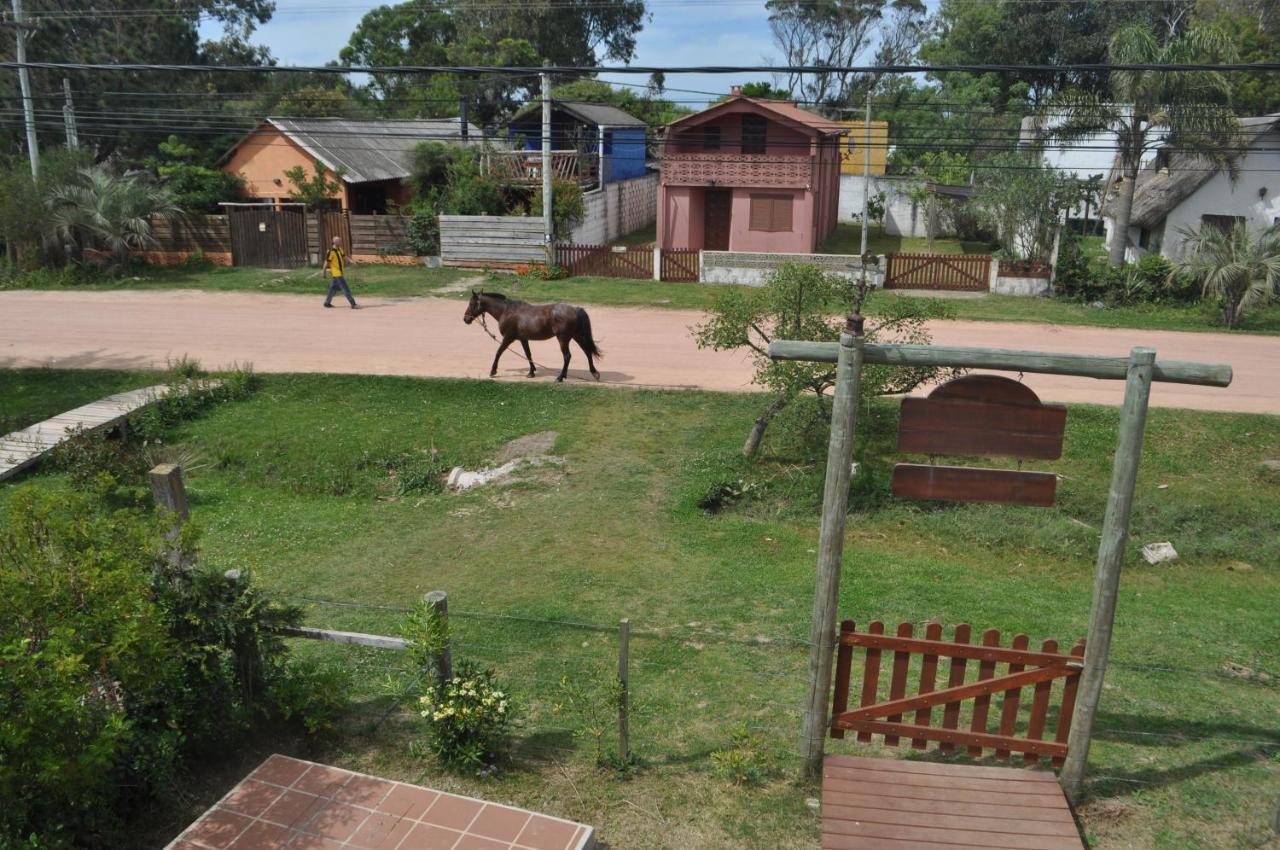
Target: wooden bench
[(892, 804)]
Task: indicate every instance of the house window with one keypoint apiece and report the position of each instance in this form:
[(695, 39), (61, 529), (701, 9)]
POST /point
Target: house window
[(608, 142), (711, 138), (770, 213), (1224, 223), (755, 130)]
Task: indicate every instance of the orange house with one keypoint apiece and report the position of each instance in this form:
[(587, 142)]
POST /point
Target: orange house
[(373, 156), (749, 174)]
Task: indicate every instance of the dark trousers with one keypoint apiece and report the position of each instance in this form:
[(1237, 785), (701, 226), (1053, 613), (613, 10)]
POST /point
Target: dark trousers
[(334, 285)]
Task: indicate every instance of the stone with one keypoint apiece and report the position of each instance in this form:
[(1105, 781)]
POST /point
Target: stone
[(1271, 466), (1098, 305), (1159, 553)]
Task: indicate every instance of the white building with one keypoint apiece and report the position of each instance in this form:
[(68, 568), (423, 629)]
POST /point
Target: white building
[(1179, 192)]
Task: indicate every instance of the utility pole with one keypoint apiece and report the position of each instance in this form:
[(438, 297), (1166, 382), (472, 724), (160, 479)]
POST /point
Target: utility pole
[(24, 80), (866, 178), (547, 234), (69, 116)]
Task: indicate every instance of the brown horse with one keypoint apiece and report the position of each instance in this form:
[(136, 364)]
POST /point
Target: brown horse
[(520, 321)]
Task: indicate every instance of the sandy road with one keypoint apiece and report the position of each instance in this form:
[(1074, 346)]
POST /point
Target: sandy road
[(426, 337)]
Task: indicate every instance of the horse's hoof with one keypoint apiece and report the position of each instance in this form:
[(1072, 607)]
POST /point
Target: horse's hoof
[(531, 374), (560, 380), (493, 374), (595, 375)]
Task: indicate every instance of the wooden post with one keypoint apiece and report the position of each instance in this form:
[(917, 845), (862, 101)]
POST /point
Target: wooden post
[(438, 602), (169, 493), (624, 697), (835, 501), (1106, 580), (657, 263)]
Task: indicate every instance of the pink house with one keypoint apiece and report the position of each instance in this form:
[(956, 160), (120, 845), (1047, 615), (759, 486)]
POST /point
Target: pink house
[(749, 175)]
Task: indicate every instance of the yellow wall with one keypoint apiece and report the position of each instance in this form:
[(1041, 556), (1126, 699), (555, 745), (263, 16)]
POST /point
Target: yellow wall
[(263, 158), (853, 154)]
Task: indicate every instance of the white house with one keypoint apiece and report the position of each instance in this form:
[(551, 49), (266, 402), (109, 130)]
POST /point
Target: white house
[(1179, 192)]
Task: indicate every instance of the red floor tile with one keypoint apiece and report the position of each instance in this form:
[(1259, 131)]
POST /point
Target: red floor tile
[(544, 833), (367, 791), (408, 801), (453, 812), (337, 821), (294, 809), (428, 837), (281, 770), (501, 822), (263, 836), (217, 829), (251, 797), (322, 780), (475, 842)]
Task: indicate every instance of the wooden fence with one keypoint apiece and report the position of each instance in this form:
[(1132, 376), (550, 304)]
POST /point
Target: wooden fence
[(901, 716), (958, 272), (482, 241), (1024, 268), (680, 265), (628, 261)]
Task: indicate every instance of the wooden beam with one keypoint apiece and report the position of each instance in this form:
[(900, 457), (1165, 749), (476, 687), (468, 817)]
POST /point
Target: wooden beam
[(1106, 579), (949, 649), (1083, 365), (378, 641), (930, 699)]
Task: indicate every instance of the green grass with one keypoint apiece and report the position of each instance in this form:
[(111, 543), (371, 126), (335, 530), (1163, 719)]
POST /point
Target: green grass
[(300, 487), (848, 240), (28, 396)]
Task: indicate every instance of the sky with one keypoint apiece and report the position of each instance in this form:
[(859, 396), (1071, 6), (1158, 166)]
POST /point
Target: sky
[(681, 32)]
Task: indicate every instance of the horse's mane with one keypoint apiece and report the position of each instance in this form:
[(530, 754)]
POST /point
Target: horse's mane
[(514, 302)]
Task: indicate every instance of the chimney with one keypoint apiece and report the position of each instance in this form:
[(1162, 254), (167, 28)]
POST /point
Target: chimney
[(736, 91)]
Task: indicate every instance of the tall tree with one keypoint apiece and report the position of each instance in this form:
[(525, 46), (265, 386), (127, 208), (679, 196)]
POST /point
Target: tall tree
[(1187, 110), (837, 33), (1253, 26), (134, 31)]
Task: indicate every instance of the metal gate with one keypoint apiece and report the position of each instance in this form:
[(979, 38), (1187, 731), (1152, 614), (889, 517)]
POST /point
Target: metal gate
[(268, 237)]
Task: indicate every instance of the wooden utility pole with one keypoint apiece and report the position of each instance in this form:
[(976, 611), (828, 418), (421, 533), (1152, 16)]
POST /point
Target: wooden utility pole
[(547, 232), (1106, 580), (169, 493), (866, 180), (835, 503), (24, 82), (69, 116)]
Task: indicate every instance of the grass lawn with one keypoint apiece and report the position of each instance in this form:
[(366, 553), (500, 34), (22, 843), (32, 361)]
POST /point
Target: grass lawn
[(301, 486), (34, 395), (848, 240)]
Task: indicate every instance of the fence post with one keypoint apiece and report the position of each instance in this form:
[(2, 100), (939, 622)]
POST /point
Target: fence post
[(993, 274), (624, 696), (835, 502), (1106, 580), (657, 263), (169, 493), (442, 655)]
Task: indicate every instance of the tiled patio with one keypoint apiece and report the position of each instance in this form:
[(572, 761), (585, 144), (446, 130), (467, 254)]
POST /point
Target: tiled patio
[(300, 805)]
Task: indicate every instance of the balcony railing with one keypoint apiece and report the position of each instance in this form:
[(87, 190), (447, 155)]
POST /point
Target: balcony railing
[(524, 168), (737, 169)]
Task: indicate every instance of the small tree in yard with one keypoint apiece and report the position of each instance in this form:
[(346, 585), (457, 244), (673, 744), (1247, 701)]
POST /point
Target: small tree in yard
[(1239, 267), (801, 302), (96, 208), (315, 191)]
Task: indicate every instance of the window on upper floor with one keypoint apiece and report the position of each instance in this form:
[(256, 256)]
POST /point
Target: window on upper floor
[(755, 132), (1224, 223), (770, 213), (711, 138)]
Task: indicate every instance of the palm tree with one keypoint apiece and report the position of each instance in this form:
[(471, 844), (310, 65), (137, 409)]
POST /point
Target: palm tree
[(1187, 110), (99, 209), (1239, 266)]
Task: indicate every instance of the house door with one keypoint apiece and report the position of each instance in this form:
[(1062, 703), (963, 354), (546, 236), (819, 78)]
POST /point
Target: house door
[(716, 215)]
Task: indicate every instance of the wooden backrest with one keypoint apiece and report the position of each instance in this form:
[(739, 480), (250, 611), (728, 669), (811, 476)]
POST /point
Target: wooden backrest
[(912, 716)]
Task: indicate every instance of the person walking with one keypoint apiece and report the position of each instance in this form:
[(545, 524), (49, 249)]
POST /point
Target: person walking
[(335, 266)]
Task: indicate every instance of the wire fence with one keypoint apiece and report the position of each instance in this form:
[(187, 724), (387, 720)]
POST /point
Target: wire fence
[(695, 687)]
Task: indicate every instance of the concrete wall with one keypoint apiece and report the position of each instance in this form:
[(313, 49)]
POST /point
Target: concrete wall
[(617, 209), (1025, 286), (680, 225), (903, 216), (263, 157), (746, 268)]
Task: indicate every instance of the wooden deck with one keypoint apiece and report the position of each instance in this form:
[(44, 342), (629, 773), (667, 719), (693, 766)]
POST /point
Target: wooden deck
[(21, 449), (893, 804)]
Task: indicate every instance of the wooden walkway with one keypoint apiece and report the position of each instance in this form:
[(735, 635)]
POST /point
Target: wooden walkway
[(893, 804), (21, 449)]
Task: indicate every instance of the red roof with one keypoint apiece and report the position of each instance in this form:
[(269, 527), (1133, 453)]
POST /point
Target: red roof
[(784, 110)]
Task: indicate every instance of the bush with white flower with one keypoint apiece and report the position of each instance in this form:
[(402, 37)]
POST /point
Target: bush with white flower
[(468, 718)]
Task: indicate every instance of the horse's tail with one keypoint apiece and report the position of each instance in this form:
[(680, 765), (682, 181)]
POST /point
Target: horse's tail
[(585, 339)]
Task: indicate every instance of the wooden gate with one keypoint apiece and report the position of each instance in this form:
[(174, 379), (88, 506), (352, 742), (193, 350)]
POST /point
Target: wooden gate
[(335, 223), (1025, 668), (606, 260), (680, 265), (267, 237), (957, 272)]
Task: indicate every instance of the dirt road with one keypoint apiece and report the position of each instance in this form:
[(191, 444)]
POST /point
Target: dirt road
[(426, 337)]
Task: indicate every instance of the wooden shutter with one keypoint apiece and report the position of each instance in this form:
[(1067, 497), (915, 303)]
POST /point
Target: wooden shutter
[(755, 131), (711, 138), (770, 213)]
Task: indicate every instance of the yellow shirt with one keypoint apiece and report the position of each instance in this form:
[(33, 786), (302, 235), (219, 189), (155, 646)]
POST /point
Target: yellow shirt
[(337, 262)]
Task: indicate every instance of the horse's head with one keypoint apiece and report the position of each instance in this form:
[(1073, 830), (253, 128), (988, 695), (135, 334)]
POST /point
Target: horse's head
[(474, 308)]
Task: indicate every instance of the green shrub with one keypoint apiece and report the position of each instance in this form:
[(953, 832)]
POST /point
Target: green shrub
[(744, 761), (310, 693), (592, 699), (468, 719)]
